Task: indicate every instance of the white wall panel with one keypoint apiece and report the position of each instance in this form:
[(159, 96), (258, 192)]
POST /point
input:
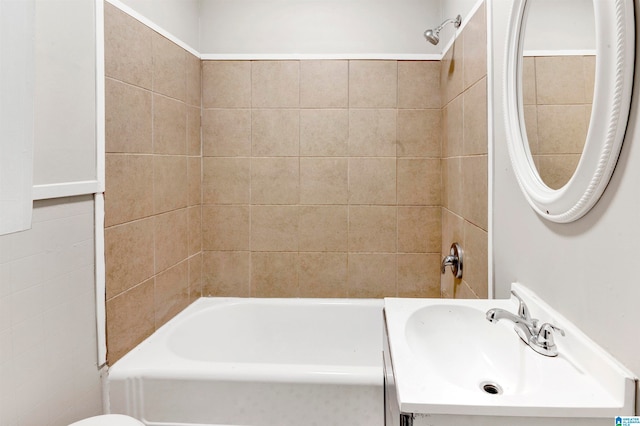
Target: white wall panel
[(65, 92), (48, 359), (17, 28)]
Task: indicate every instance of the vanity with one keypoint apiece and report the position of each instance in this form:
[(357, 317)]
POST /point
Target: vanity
[(517, 361), (446, 363)]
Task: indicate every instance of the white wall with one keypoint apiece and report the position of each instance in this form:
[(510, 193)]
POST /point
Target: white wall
[(452, 8), (48, 344), (65, 92), (560, 25), (17, 29), (586, 269), (49, 125), (48, 360), (302, 28), (178, 17), (335, 27)]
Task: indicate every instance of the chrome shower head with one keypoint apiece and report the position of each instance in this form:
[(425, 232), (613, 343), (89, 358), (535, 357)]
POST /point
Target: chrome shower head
[(433, 36)]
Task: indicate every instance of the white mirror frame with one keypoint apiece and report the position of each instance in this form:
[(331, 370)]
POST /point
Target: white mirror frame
[(615, 50)]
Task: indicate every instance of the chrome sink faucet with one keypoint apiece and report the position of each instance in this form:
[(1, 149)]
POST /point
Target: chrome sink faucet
[(540, 339)]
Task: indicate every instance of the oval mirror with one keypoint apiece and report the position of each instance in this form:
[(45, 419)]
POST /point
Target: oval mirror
[(568, 81)]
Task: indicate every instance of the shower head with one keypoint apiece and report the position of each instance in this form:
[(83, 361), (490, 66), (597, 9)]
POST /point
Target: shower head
[(433, 36)]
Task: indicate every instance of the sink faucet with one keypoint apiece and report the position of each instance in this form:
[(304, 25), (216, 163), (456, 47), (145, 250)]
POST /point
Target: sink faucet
[(525, 326), (539, 339)]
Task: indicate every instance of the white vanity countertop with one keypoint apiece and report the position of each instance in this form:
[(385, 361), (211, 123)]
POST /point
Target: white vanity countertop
[(443, 351)]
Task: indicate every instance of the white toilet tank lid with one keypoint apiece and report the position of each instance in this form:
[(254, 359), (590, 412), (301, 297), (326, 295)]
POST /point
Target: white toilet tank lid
[(108, 420)]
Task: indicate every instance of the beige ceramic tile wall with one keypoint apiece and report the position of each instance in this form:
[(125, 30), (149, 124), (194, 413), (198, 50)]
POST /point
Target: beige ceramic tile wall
[(321, 178), (558, 96), (153, 180), (464, 158), (317, 178)]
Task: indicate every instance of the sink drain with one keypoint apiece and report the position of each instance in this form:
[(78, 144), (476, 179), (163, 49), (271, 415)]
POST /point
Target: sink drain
[(491, 388)]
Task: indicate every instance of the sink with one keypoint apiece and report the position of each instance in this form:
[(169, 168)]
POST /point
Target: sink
[(470, 352), (448, 359)]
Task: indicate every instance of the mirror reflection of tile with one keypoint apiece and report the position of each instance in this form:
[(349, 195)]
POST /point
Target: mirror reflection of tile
[(557, 96)]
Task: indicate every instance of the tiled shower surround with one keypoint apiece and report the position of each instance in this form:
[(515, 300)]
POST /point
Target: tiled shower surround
[(321, 178), (152, 197), (464, 158), (318, 178)]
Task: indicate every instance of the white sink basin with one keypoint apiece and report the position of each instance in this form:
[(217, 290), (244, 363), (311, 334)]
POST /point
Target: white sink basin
[(470, 351), (448, 359)]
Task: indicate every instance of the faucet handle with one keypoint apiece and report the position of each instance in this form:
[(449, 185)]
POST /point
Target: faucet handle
[(523, 310), (544, 341), (454, 260), (545, 334)]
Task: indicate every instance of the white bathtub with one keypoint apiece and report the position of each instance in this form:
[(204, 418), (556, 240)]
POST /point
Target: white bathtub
[(260, 362)]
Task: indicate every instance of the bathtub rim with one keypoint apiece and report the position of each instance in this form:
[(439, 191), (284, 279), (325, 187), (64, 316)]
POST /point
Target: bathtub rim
[(169, 366)]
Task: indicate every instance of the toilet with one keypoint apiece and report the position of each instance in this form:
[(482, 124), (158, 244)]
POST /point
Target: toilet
[(108, 420)]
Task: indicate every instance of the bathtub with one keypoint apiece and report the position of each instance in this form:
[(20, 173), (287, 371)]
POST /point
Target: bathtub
[(260, 362)]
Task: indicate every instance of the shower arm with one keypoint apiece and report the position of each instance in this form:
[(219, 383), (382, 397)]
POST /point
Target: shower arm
[(456, 24)]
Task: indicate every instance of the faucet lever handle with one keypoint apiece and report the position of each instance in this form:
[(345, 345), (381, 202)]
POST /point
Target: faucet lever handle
[(454, 260), (544, 341), (523, 310), (546, 329), (545, 335)]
